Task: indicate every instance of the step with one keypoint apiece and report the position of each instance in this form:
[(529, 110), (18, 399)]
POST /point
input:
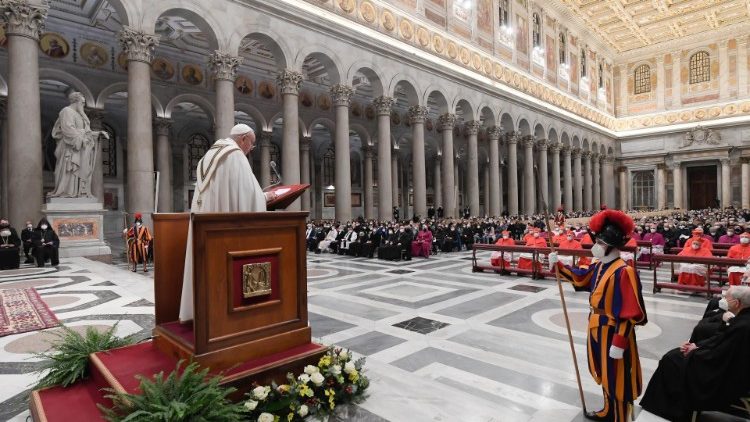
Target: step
[(72, 404)]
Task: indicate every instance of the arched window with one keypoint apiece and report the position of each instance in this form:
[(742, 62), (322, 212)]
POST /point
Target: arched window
[(601, 76), (502, 13), (642, 79), (584, 68), (197, 147), (536, 35), (700, 67), (109, 152), (562, 47), (329, 167), (643, 189)]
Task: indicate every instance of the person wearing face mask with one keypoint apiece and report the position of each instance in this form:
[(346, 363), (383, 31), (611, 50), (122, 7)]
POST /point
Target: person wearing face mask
[(694, 274), (503, 259), (323, 245), (617, 306), (707, 241), (731, 237), (27, 240), (10, 246), (525, 260), (422, 245), (739, 251), (569, 242), (710, 374), (715, 319), (657, 244), (404, 243), (139, 243), (346, 242), (46, 244)]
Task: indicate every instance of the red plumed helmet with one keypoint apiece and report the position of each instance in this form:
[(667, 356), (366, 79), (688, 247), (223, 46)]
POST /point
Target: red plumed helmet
[(603, 207), (613, 227), (138, 216), (560, 209)]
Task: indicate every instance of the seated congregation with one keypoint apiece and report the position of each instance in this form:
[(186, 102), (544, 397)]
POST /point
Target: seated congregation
[(38, 244)]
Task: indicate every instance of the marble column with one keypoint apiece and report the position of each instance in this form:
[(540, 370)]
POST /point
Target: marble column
[(624, 189), (3, 156), (624, 76), (724, 70), (342, 95), (677, 185), (588, 198), (164, 164), (513, 174), (556, 200), (304, 152), (660, 83), (676, 81), (486, 189), (745, 183), (224, 68), (385, 200), (608, 181), (742, 67), (543, 177), (96, 119), (726, 183), (264, 143), (472, 168), (577, 180), (500, 189), (289, 81), (437, 183), (493, 206), (661, 187), (446, 122), (139, 47), (23, 24), (396, 181), (417, 116), (459, 187), (369, 214), (596, 198), (567, 179), (529, 189)]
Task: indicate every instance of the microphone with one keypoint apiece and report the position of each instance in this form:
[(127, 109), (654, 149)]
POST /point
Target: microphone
[(272, 164)]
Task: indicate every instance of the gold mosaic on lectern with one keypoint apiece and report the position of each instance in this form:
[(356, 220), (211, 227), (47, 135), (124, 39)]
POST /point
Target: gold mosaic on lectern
[(256, 279)]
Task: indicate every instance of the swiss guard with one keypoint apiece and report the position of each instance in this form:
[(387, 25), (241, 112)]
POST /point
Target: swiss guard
[(617, 307), (139, 243)]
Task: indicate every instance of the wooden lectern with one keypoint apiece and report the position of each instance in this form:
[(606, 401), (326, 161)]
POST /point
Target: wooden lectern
[(250, 293)]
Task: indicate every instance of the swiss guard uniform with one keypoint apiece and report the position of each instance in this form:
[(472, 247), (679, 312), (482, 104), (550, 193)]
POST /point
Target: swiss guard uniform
[(139, 242), (616, 307)]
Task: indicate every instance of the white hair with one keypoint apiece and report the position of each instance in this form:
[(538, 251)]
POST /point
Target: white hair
[(75, 96), (741, 293)]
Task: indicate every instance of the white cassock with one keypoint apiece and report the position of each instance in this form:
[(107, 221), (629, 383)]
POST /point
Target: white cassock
[(225, 184)]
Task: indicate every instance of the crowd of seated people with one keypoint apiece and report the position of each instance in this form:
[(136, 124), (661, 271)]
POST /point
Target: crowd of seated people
[(39, 244)]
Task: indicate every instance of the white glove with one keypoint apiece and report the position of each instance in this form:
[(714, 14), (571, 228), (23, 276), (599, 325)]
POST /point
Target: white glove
[(615, 352), (552, 258)]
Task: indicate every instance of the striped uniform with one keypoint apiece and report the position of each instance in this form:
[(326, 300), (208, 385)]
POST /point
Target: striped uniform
[(616, 307)]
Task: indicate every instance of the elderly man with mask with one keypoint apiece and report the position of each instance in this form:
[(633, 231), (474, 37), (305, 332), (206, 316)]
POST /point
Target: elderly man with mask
[(10, 245), (707, 375), (225, 184)]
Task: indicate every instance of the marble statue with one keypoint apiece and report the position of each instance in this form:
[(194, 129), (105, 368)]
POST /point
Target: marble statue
[(76, 150)]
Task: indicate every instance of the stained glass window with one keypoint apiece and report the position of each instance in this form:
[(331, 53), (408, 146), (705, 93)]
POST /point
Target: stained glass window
[(329, 167), (584, 67), (562, 48), (197, 147), (643, 189), (700, 67), (642, 79), (503, 14), (537, 30), (109, 152)]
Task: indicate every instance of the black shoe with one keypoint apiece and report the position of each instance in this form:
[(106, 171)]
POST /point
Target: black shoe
[(28, 261), (595, 417)]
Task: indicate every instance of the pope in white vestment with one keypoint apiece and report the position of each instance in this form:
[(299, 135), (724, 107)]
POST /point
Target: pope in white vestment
[(225, 183)]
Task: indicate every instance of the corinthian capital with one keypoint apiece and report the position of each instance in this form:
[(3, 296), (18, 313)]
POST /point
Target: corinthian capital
[(417, 114), (224, 65), (447, 121), (555, 147), (575, 152), (289, 81), (137, 44), (472, 127), (494, 133), (162, 126), (586, 155), (23, 18), (542, 144), (342, 95), (383, 105), (528, 141)]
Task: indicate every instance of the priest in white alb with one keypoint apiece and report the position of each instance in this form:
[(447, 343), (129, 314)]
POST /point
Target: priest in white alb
[(225, 183)]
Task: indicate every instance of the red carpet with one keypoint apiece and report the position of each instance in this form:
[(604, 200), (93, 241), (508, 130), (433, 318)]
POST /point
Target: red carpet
[(75, 403), (22, 310)]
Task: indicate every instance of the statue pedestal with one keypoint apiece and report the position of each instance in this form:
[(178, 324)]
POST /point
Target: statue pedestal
[(79, 223)]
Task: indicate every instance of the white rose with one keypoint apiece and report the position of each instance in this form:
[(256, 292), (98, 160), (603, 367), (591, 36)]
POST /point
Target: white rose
[(336, 369), (266, 417), (303, 410), (261, 393), (343, 355), (304, 378), (251, 404), (317, 379), (349, 367), (311, 369)]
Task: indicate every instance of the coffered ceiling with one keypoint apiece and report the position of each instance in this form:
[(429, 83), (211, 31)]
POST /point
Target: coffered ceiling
[(628, 25)]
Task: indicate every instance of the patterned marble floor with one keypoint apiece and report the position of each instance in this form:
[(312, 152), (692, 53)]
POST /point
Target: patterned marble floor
[(442, 343)]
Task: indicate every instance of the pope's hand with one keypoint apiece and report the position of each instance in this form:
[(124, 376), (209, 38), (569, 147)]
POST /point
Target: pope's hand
[(553, 259)]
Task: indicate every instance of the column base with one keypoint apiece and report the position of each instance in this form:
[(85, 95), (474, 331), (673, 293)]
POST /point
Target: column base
[(79, 223)]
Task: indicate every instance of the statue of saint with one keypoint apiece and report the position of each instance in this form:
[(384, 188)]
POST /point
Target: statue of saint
[(76, 150)]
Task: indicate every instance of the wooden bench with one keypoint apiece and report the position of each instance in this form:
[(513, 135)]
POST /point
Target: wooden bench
[(718, 263)]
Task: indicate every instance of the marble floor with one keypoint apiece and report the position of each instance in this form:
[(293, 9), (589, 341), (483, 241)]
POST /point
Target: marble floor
[(442, 343)]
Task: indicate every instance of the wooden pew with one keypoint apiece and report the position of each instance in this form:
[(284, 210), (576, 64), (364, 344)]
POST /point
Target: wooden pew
[(477, 267), (645, 244), (718, 263)]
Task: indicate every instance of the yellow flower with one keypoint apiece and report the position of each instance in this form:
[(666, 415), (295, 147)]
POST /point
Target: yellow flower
[(283, 388), (354, 376), (305, 391), (325, 361), (331, 398), (289, 417)]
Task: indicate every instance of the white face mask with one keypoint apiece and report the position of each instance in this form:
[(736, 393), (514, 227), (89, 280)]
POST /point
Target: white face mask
[(570, 237), (696, 247), (536, 234), (5, 233), (653, 230), (44, 227), (745, 240), (505, 236), (598, 251), (29, 226), (723, 304), (138, 224)]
